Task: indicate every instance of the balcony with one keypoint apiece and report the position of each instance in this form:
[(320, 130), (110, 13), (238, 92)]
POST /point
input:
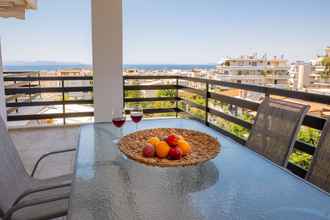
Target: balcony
[(227, 107), (44, 113)]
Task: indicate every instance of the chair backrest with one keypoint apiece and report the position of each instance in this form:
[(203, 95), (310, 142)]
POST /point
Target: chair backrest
[(13, 177), (275, 129), (319, 172)]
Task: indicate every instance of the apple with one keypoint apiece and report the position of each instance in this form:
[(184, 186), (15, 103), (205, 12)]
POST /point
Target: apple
[(149, 150), (175, 153), (172, 140)]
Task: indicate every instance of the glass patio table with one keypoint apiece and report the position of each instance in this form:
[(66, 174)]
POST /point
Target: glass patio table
[(237, 184)]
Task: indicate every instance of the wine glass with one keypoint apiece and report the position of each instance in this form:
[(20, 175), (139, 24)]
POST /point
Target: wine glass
[(136, 115), (118, 119)]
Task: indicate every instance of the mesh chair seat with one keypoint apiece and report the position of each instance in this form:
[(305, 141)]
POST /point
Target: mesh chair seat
[(18, 188), (45, 210), (275, 129), (58, 180), (319, 172)]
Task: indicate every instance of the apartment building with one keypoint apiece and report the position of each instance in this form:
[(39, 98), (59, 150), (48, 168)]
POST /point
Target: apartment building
[(252, 69)]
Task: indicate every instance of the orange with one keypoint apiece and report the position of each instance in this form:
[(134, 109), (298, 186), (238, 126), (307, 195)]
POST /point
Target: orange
[(162, 149), (153, 140), (184, 147), (179, 137)]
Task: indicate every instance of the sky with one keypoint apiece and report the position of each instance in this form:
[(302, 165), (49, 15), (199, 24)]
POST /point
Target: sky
[(172, 31)]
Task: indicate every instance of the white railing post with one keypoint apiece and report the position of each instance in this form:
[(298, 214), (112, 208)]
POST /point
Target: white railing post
[(107, 41)]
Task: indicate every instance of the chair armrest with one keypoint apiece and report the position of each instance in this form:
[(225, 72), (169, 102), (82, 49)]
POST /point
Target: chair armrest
[(40, 189), (46, 155), (25, 204)]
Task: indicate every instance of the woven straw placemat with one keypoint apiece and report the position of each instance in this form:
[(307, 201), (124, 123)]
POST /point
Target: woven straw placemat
[(204, 147)]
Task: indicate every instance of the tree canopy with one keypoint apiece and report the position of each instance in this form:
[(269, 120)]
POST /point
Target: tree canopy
[(326, 63)]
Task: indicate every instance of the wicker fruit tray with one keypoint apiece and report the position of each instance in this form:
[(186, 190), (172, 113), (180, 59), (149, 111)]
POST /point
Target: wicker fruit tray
[(204, 147)]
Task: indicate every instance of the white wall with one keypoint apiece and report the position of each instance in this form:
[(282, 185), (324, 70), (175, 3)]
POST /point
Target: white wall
[(304, 72), (107, 41), (3, 112)]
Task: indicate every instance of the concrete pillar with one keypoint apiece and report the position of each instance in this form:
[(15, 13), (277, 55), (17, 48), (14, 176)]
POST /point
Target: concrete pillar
[(3, 111), (107, 41)]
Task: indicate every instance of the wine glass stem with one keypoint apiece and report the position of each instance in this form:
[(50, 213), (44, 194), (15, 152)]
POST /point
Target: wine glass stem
[(136, 126)]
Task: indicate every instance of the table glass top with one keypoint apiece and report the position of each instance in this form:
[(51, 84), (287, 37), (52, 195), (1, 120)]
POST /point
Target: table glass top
[(237, 184)]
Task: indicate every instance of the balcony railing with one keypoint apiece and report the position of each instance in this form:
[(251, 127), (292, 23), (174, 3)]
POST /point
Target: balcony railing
[(180, 105), (26, 84), (206, 91)]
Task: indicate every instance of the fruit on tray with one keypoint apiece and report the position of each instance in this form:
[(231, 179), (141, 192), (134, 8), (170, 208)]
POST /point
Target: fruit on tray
[(179, 137), (184, 147), (172, 140), (149, 150), (162, 149), (153, 140), (173, 147), (175, 153)]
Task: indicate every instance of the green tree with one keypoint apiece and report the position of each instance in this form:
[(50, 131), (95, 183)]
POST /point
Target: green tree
[(309, 135), (300, 158), (133, 94), (166, 93), (326, 63), (199, 100), (227, 63)]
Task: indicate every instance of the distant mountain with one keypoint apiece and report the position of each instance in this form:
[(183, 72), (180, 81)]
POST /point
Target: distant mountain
[(43, 66), (43, 63), (54, 65)]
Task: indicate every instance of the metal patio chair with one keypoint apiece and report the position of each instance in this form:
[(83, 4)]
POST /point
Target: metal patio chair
[(23, 197), (275, 129), (319, 172)]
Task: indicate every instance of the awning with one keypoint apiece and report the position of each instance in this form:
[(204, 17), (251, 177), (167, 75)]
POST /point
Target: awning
[(16, 8)]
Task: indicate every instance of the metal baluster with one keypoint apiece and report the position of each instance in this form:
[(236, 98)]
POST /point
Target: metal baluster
[(124, 93), (16, 100), (207, 104), (30, 95), (63, 102), (177, 97)]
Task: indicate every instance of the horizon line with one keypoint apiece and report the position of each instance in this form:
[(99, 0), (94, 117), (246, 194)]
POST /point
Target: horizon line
[(87, 64)]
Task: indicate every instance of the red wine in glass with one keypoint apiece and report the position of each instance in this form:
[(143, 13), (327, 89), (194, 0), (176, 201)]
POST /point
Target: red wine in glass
[(119, 121), (136, 117)]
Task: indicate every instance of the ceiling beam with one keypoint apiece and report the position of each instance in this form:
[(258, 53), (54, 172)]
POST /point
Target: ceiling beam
[(16, 8), (32, 4)]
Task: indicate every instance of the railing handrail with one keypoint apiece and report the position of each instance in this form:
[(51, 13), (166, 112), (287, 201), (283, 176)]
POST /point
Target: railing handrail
[(306, 96), (20, 72), (45, 78), (150, 76)]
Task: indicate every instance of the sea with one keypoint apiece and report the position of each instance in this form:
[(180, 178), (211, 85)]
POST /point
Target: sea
[(126, 66)]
